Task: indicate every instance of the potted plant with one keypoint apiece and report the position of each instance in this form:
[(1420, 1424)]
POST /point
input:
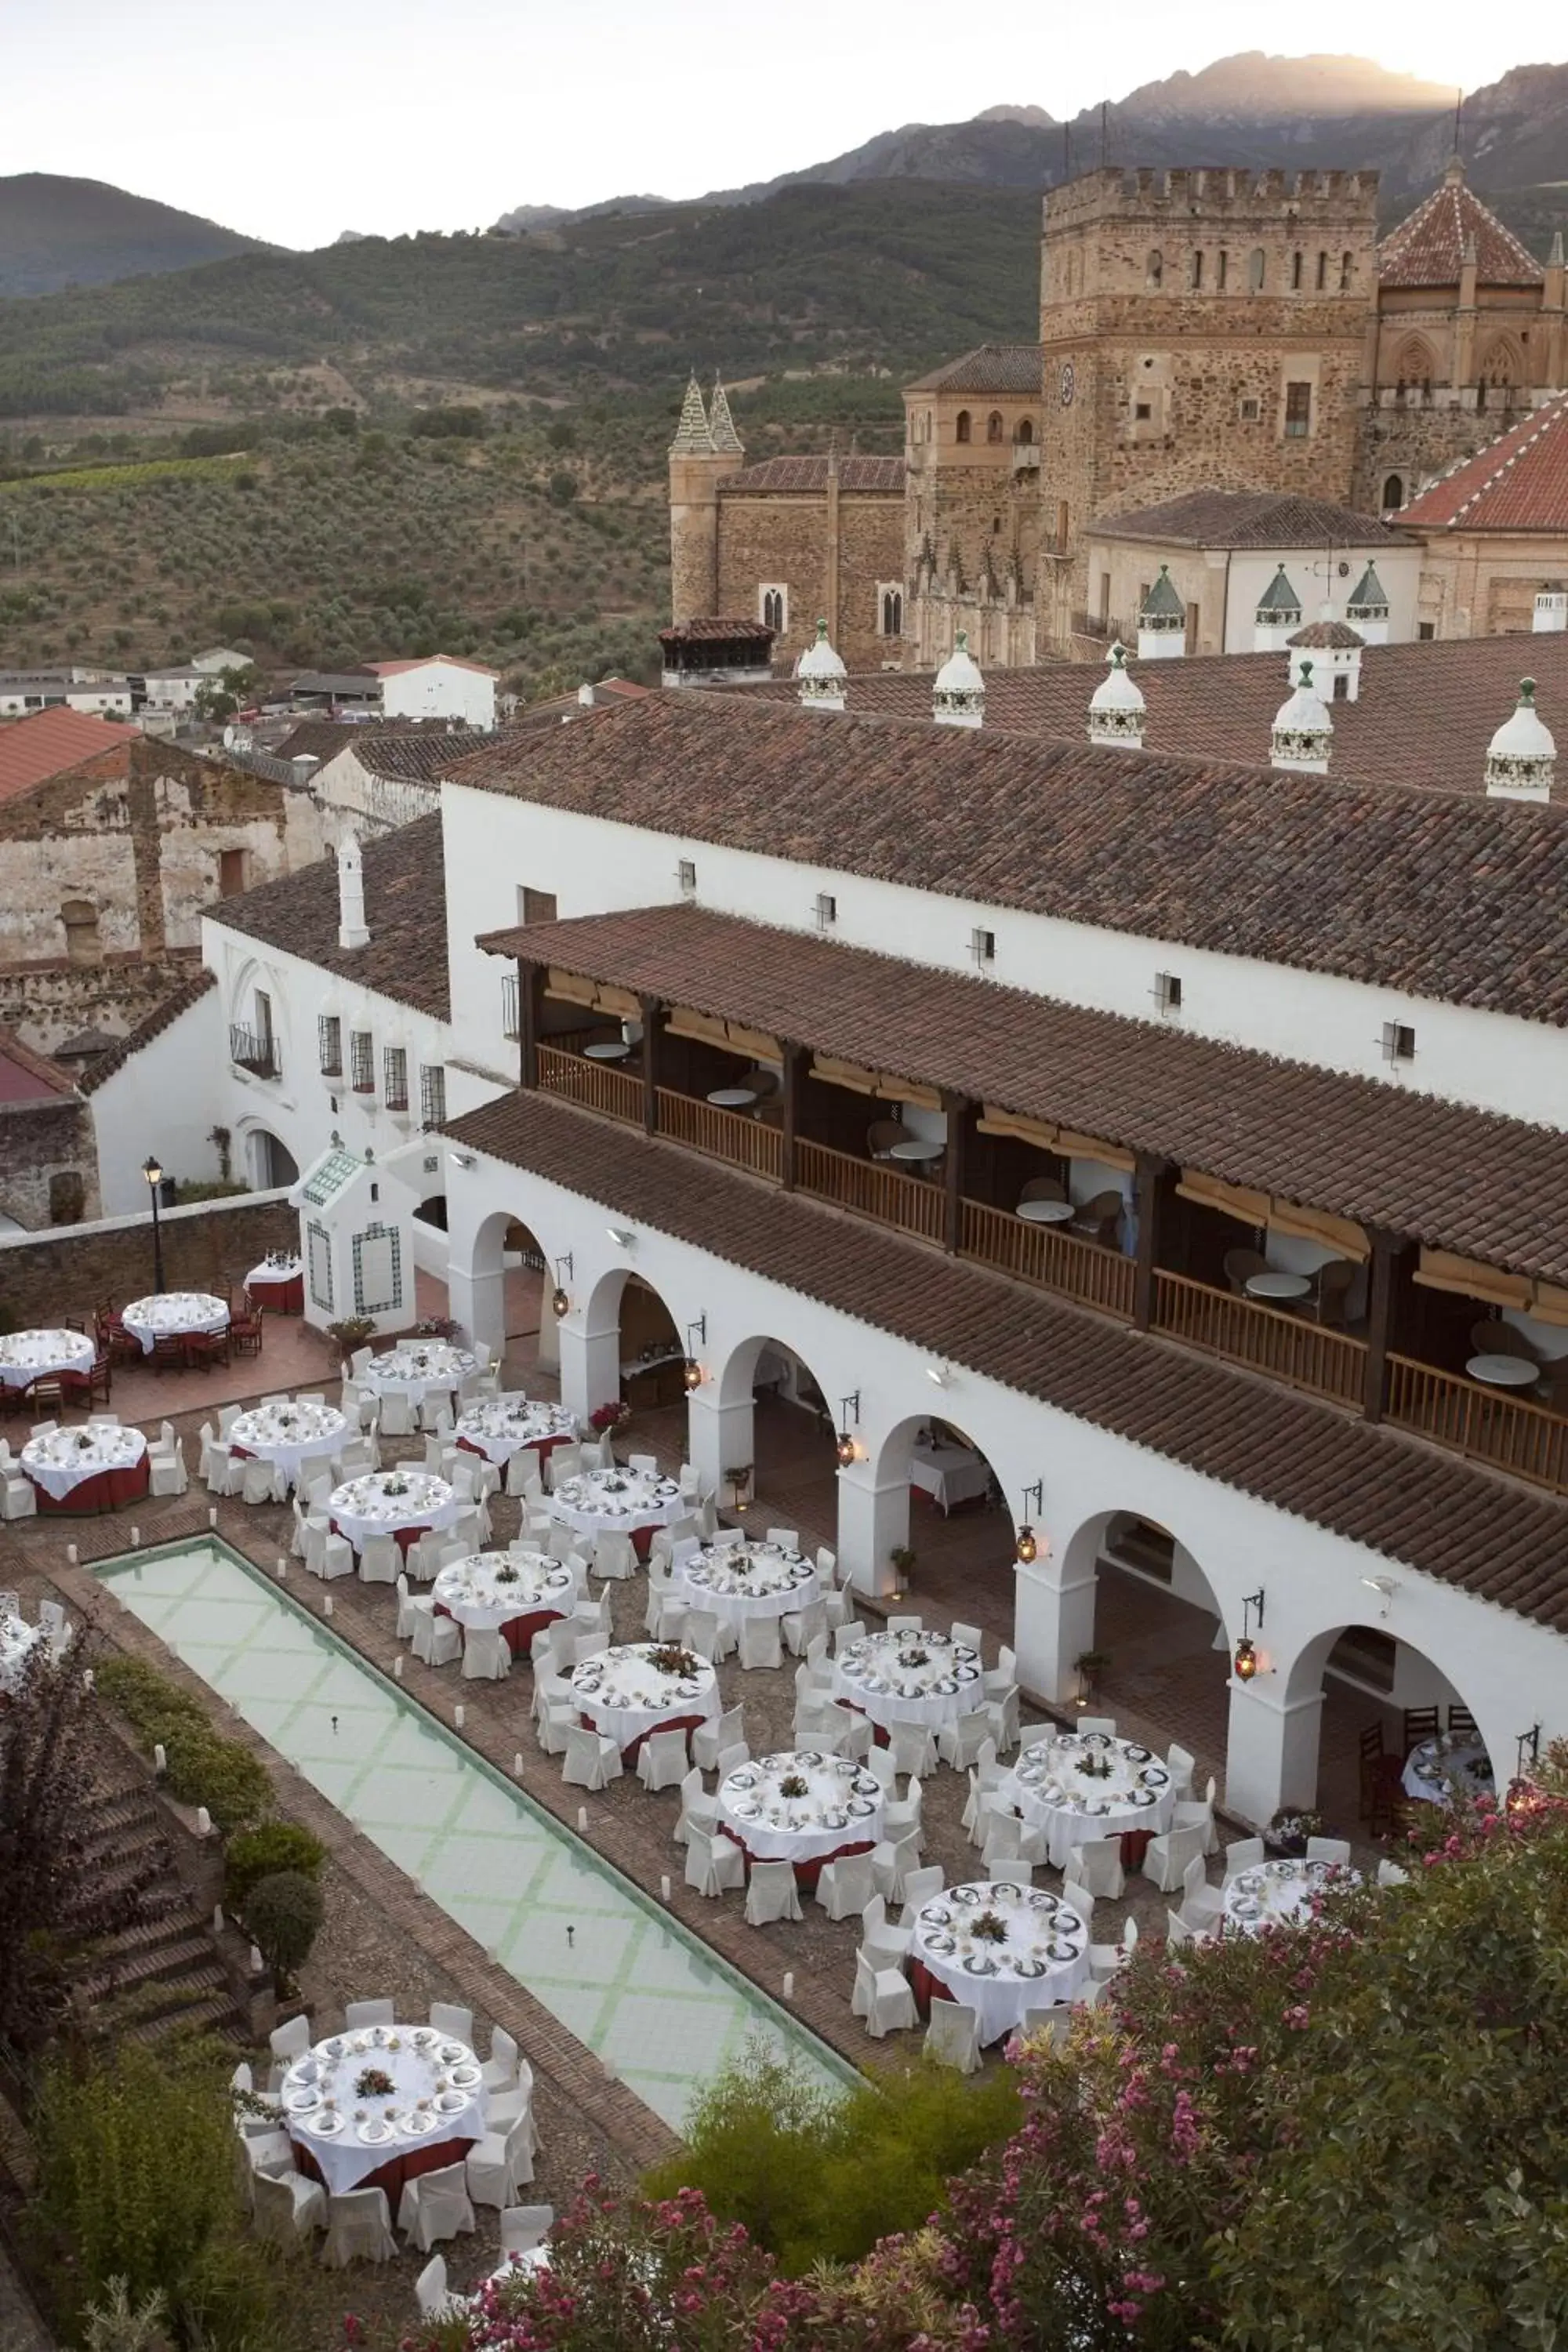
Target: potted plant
[(738, 1479), (1288, 1833), (610, 1416), (903, 1560), (349, 1333), (1089, 1665)]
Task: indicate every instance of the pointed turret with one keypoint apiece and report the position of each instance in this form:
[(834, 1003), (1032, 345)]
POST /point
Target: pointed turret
[(721, 424), (958, 693), (1277, 612), (693, 435), (821, 675), (706, 450), (1368, 608)]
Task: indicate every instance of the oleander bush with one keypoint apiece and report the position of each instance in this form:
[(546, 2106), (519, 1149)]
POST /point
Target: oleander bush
[(254, 1854)]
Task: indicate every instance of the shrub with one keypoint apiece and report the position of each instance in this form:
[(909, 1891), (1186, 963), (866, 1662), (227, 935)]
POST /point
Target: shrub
[(148, 1700), (220, 1774), (563, 488), (284, 1916), (257, 1854)]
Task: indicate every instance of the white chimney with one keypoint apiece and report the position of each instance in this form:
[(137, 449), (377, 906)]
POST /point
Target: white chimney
[(1116, 708), (352, 930), (820, 675), (958, 690), (1276, 615), (1303, 731), (1551, 607), (1521, 758), (1163, 621)]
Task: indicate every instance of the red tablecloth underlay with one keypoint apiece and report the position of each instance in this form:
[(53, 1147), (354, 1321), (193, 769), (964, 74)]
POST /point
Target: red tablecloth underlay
[(105, 1492), (518, 1632), (927, 1988), (401, 1536), (880, 1735), (280, 1297), (807, 1872), (543, 1447), (687, 1723), (395, 2173)]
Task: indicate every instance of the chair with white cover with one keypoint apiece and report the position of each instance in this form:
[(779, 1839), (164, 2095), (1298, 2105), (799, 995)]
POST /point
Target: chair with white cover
[(395, 1417), (646, 1463), (615, 1557), (1055, 2019), (561, 1463), (1181, 1767), (884, 1998), (1242, 1854), (436, 1414), (18, 1497), (697, 1809), (1097, 1865), (1078, 1898), (922, 1885), (1009, 1870), (802, 1626), (358, 2014), (709, 1742), (709, 1634), (593, 1759), (407, 1608), (380, 1562), (1001, 1714), (327, 1556), (852, 1630), (259, 1482), (758, 1642), (260, 2114), (525, 2227), (880, 1765), (225, 1471), (436, 1640), (286, 2209), (713, 1864), (1197, 1813), (837, 1607), (772, 1894), (422, 1560), (665, 1616), (1322, 1849), (892, 1862), (732, 1758), (522, 1470), (1002, 1674), (1106, 1723), (167, 1474), (959, 1743), (431, 2292), (261, 2154), (501, 2163), (845, 1885), (914, 1749), (1178, 1932), (899, 1817), (906, 1625), (1104, 1959), (661, 1760), (1203, 1906), (886, 1945), (662, 1544), (970, 1637), (1165, 1858), (288, 2043), (449, 2017), (436, 2205), (953, 2036), (359, 2229), (486, 1657)]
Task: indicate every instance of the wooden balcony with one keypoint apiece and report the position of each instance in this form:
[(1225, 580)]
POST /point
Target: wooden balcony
[(593, 1085), (872, 1189), (1049, 1257), (1325, 1362), (723, 1134), (1485, 1424)]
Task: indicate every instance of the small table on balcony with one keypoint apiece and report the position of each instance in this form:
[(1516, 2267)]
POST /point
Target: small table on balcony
[(919, 1149), (1504, 1371), (1047, 1212), (616, 1050), (1279, 1289), (733, 1097)]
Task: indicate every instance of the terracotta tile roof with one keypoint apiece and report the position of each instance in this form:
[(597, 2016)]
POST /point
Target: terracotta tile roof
[(1335, 635), (405, 910), (713, 629), (776, 475), (1518, 482), (1015, 368), (1454, 1178), (1428, 247), (1424, 717), (153, 1024), (1465, 900), (322, 738), (1400, 1498), (33, 750), (26, 1077), (1249, 519), (419, 755)]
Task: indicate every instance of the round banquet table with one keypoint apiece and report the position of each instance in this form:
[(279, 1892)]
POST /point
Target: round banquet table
[(736, 1581), (418, 1369), (289, 1435), (1042, 1959), (840, 1812), (28, 1356), (622, 1693), (364, 1507), (618, 1502), (19, 1643), (68, 1475), (872, 1675), (280, 1288), (498, 1427), (1437, 1767), (1051, 1791), (174, 1314), (432, 2116), (515, 1595), (1276, 1894)]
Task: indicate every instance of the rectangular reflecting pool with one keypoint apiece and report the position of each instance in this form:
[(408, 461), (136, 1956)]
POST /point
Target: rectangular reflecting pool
[(629, 1982)]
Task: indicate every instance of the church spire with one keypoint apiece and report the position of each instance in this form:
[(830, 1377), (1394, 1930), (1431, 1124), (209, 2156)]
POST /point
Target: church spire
[(693, 435), (721, 424)]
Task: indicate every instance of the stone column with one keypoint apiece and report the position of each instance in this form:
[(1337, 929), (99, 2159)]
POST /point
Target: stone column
[(590, 1365), (1053, 1625), (1271, 1749), (719, 1437), (873, 1520)]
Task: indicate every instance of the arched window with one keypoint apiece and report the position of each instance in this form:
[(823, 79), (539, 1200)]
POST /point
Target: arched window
[(961, 431), (774, 609), (1156, 269), (1392, 493), (1025, 434), (1296, 273), (79, 916), (1195, 271), (1255, 269), (1414, 366), (893, 612), (1347, 271), (994, 429)]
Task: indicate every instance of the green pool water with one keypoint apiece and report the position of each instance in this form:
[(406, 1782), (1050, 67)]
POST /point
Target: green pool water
[(640, 1992)]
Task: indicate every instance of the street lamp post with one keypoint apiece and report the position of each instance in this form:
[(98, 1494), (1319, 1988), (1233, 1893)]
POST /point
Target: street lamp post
[(154, 1175)]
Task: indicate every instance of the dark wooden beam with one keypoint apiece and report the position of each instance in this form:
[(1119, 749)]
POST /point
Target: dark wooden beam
[(649, 1008), (1148, 1186), (789, 1096), (1385, 1254), (957, 1110), (530, 1011)]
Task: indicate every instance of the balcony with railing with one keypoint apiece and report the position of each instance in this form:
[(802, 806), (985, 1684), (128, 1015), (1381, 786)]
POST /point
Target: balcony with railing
[(254, 1050)]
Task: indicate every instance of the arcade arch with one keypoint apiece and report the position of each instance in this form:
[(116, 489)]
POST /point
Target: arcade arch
[(928, 1487), (508, 1282)]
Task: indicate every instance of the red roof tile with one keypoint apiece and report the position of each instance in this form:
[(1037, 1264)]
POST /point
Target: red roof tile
[(1007, 368), (33, 750), (1428, 248), (1518, 482)]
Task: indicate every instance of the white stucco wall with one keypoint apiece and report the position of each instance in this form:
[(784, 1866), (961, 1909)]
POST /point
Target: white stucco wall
[(163, 1102), (440, 690)]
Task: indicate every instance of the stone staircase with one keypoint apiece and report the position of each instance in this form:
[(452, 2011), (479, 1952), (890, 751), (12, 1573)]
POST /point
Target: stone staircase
[(163, 1975)]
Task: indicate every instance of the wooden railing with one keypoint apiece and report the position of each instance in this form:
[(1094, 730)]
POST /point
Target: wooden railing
[(596, 1086), (871, 1186), (1305, 1355), (1484, 1424), (1048, 1256), (721, 1134)]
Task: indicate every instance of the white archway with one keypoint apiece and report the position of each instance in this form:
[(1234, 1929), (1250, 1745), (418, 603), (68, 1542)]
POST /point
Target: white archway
[(789, 1437), (966, 1528), (477, 1269), (624, 1320)]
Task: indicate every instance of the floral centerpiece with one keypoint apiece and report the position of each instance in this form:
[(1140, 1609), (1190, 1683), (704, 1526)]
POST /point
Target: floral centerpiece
[(795, 1784), (607, 1417), (374, 2083), (1290, 1828), (915, 1657), (988, 1927), (672, 1659), (506, 1575), (83, 1441), (1094, 1768), (395, 1485)]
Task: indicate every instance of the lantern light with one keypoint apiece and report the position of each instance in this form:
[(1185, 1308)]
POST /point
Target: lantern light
[(1244, 1660), (692, 1370), (845, 1445), (559, 1297), (1028, 1548)]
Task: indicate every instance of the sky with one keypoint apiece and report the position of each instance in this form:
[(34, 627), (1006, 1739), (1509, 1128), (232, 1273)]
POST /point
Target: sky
[(308, 117)]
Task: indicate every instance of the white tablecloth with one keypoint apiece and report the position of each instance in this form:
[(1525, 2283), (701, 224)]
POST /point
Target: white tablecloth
[(173, 1314), (502, 1426), (872, 1675), (948, 1474), (623, 1693), (842, 1806), (363, 1507), (418, 1369), (289, 1435), (59, 1462), (18, 1642), (1044, 1959), (292, 1270), (490, 1587), (1276, 1894), (27, 1356), (1047, 1786), (416, 2059), (614, 1502), (1437, 1767), (744, 1581)]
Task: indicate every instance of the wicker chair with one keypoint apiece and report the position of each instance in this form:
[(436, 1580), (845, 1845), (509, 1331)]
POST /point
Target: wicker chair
[(1240, 1265), (883, 1133), (1043, 1188), (1101, 1218), (1493, 1337), (1331, 1296)]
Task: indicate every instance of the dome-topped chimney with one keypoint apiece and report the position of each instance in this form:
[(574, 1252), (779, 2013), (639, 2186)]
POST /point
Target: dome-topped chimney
[(958, 695), (1303, 731), (1521, 758), (1116, 707), (821, 675)]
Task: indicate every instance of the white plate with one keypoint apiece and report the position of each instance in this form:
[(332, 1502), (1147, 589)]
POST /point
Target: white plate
[(299, 2102), (322, 2125), (452, 2103), (374, 2133)]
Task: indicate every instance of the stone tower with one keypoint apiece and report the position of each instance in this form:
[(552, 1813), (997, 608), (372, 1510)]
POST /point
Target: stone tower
[(1199, 330), (705, 450)]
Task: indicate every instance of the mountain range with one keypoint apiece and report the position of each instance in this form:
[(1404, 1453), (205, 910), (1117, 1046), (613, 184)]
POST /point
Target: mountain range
[(57, 232)]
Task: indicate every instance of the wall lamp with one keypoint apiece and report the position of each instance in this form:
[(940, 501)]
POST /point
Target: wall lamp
[(560, 1299), (1028, 1548), (619, 1235), (1245, 1658), (1529, 1750), (938, 1375), (848, 1411), (464, 1160), (1386, 1587), (692, 1371)]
